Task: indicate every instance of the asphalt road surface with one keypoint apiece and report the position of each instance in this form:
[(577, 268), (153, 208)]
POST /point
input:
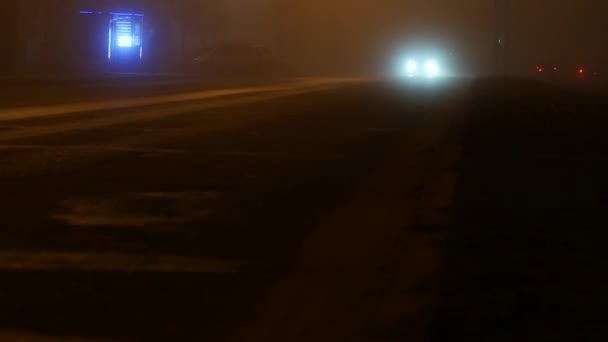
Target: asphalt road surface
[(319, 210)]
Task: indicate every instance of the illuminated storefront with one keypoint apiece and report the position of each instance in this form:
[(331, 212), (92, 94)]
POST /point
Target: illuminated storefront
[(93, 36), (125, 35)]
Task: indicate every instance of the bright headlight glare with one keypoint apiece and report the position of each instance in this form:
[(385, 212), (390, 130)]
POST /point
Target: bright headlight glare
[(431, 68), (411, 67)]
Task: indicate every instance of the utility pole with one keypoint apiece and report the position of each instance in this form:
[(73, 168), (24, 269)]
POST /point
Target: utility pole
[(502, 43)]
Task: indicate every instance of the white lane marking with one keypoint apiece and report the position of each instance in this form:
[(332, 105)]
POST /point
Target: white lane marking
[(41, 111), (113, 262)]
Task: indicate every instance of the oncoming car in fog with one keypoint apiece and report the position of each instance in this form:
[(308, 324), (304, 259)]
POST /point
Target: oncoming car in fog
[(428, 68), (419, 64)]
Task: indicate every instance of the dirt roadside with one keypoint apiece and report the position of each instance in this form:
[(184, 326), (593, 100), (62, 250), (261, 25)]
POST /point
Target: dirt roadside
[(370, 272)]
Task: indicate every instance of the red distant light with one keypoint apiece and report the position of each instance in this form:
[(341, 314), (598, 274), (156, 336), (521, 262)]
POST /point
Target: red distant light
[(554, 68), (580, 71)]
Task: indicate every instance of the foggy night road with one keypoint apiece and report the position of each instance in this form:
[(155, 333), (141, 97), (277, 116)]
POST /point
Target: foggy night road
[(332, 211)]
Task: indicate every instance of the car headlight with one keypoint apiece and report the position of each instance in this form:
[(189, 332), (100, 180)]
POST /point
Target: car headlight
[(411, 67), (431, 68)]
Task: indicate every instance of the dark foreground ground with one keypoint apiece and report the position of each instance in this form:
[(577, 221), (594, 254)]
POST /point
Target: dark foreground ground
[(525, 258), (351, 212)]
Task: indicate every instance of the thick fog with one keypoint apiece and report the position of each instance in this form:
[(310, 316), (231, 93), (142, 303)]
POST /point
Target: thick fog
[(349, 36), (319, 36)]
